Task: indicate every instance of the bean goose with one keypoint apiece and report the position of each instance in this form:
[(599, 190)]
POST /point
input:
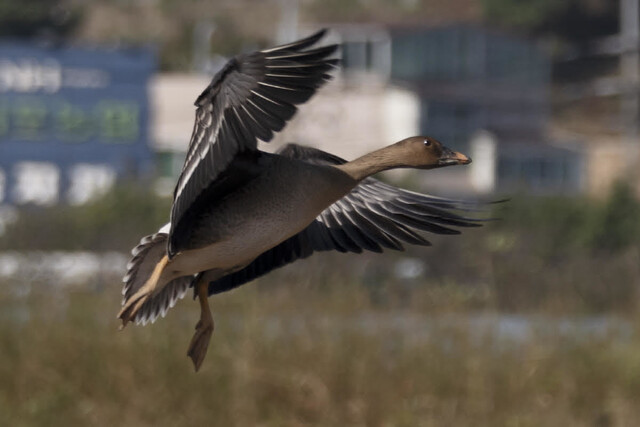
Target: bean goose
[(239, 212)]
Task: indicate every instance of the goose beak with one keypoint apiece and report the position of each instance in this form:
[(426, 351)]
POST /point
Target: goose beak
[(450, 158)]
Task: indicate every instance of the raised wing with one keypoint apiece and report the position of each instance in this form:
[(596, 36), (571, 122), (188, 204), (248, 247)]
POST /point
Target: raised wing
[(373, 216), (252, 97)]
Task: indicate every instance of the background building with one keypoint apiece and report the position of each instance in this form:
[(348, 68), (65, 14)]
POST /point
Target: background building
[(72, 121), (470, 79)]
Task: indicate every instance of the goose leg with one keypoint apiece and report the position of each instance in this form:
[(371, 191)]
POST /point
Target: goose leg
[(204, 328)]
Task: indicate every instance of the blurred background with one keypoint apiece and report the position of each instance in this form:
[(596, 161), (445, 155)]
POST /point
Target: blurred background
[(531, 320)]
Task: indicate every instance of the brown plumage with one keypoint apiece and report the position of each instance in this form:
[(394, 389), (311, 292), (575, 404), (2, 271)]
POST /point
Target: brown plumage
[(239, 213)]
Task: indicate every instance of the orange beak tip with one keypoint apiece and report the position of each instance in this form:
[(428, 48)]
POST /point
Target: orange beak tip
[(450, 158)]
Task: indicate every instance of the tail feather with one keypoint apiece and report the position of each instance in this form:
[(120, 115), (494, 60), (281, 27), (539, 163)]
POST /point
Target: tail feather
[(145, 256)]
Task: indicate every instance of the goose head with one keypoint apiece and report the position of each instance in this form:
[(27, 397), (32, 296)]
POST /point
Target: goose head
[(418, 152), (426, 152)]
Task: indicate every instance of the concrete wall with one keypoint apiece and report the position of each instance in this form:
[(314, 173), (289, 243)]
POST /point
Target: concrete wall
[(172, 109), (611, 159), (345, 119)]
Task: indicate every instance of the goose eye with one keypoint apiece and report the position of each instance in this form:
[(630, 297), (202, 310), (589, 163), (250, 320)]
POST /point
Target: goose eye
[(427, 142)]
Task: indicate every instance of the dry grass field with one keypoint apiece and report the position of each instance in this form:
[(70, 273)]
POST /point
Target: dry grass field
[(288, 355), (530, 321)]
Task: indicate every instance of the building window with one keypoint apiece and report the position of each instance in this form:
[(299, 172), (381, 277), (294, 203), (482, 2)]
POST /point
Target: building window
[(88, 181), (451, 123), (368, 51), (545, 170), (36, 182)]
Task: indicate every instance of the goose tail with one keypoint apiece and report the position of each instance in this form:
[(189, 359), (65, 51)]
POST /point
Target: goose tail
[(145, 260)]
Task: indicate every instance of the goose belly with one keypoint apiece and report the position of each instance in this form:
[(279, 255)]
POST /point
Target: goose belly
[(240, 248)]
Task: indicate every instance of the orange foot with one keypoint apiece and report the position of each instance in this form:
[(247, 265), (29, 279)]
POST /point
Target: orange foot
[(200, 342)]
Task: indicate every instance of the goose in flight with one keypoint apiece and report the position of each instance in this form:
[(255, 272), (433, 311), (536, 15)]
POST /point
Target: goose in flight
[(239, 212)]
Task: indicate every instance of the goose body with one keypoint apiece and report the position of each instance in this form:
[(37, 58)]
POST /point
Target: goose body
[(282, 199), (239, 212)]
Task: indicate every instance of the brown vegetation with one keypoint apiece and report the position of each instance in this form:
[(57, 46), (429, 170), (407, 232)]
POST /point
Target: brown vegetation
[(290, 354), (528, 321)]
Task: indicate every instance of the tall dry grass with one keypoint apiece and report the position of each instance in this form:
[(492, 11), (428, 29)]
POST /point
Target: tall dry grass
[(340, 339), (288, 354)]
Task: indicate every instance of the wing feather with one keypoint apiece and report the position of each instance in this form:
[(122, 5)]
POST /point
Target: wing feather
[(144, 258), (373, 216), (244, 102)]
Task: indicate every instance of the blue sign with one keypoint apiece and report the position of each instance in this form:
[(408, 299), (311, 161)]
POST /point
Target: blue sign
[(68, 106)]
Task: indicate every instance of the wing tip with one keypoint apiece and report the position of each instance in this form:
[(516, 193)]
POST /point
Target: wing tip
[(301, 43)]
